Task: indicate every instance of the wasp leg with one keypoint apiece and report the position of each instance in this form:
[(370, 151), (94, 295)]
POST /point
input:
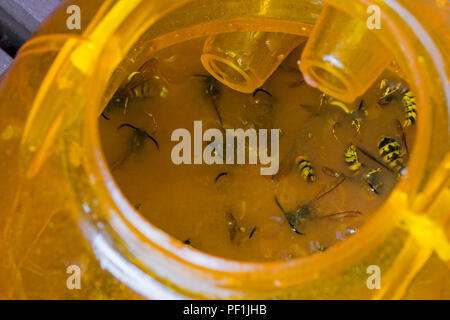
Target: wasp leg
[(342, 214), (287, 217), (219, 176), (261, 90), (400, 126), (139, 131), (371, 157)]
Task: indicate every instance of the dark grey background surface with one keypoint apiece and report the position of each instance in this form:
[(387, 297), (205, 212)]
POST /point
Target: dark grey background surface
[(18, 20)]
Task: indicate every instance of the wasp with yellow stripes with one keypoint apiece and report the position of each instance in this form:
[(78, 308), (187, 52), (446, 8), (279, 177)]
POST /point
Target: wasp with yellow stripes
[(391, 153), (304, 167), (143, 83), (371, 176), (390, 90), (138, 138), (409, 103), (351, 159)]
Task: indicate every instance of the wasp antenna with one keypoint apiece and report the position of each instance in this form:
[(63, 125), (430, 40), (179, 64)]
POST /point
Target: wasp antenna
[(127, 125), (279, 205), (153, 139), (361, 104), (105, 117), (219, 176), (261, 90), (252, 233)]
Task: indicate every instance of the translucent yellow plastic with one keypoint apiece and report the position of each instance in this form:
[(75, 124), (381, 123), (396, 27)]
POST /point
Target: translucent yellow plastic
[(60, 205), (245, 60), (343, 57)]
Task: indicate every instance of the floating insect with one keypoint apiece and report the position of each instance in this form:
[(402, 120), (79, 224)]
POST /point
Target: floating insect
[(138, 137), (257, 114), (308, 211), (372, 175), (304, 167), (390, 90), (358, 116), (351, 159), (149, 89), (137, 142), (144, 83), (188, 242), (409, 103), (373, 181), (212, 91), (391, 153), (147, 82), (296, 216), (235, 230)]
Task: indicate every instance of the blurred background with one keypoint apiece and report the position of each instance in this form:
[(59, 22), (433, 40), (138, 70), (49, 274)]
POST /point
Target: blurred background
[(18, 20)]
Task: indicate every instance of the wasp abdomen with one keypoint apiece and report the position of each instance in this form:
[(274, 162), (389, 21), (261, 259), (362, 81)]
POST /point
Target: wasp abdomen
[(409, 103), (305, 168), (351, 159), (391, 153)]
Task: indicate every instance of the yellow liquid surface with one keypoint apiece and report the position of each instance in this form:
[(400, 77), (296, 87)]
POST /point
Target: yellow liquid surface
[(236, 215)]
